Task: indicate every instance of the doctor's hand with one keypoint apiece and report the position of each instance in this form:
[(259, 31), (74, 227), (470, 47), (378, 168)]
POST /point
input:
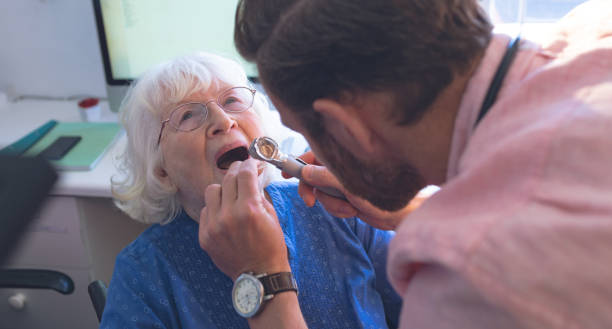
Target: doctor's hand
[(239, 228), (316, 175)]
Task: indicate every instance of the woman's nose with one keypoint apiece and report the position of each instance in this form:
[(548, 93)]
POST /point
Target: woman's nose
[(219, 121)]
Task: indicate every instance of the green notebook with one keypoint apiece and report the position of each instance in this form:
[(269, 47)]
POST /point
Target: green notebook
[(96, 139)]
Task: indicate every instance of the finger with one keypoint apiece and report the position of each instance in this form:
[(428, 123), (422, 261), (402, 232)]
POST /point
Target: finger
[(203, 220), (306, 192), (229, 187), (307, 157), (320, 176), (310, 157), (248, 186), (335, 206), (203, 237), (374, 216)]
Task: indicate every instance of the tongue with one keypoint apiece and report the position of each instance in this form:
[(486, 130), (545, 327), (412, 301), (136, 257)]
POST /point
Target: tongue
[(237, 154)]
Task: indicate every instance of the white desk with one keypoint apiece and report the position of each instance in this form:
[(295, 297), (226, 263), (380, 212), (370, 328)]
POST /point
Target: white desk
[(78, 232), (18, 119)]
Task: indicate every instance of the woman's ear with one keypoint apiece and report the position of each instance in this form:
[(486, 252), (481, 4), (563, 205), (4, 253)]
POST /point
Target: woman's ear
[(162, 176), (346, 124)]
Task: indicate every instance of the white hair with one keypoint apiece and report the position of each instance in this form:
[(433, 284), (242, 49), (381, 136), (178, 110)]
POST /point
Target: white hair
[(138, 192)]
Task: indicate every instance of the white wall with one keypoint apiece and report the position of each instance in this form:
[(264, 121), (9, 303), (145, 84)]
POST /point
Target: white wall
[(49, 47)]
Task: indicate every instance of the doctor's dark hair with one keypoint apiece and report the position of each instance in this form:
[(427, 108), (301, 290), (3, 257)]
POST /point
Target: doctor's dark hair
[(309, 49)]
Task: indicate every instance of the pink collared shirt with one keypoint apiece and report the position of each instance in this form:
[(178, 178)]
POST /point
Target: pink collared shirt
[(520, 236)]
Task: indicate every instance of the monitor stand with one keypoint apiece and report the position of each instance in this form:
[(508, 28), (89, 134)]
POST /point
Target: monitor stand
[(115, 96)]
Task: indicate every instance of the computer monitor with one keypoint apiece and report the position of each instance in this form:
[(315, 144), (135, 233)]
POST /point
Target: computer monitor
[(137, 34)]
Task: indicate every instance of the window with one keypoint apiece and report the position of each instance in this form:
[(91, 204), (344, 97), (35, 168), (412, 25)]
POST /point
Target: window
[(530, 18), (528, 11)]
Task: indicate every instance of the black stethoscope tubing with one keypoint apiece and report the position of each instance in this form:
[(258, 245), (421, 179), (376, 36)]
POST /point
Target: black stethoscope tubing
[(498, 78)]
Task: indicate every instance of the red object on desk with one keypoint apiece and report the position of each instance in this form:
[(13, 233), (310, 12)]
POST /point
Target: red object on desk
[(88, 102)]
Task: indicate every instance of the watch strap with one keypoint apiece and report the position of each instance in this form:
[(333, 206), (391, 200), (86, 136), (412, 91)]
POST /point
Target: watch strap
[(278, 282)]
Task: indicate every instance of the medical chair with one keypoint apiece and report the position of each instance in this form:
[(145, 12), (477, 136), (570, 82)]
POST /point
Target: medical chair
[(97, 293), (24, 184)]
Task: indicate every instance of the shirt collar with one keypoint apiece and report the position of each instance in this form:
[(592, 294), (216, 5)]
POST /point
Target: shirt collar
[(477, 87)]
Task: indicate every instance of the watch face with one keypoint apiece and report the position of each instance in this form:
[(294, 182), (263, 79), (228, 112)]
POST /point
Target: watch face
[(247, 295)]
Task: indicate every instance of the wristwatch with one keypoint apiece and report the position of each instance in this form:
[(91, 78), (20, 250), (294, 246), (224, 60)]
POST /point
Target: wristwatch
[(251, 290)]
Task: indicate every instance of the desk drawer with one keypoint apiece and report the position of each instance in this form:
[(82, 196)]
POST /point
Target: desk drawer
[(53, 239)]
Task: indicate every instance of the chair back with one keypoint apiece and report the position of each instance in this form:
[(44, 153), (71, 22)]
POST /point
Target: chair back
[(97, 294)]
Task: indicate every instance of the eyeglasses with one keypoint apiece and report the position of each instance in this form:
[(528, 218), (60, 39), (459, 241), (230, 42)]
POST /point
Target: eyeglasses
[(191, 116)]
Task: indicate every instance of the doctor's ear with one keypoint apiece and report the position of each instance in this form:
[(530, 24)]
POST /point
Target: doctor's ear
[(346, 124)]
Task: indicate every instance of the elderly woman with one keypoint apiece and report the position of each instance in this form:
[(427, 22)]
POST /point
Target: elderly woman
[(189, 123)]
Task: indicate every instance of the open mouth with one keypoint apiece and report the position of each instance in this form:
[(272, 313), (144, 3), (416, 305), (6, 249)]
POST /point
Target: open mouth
[(226, 159)]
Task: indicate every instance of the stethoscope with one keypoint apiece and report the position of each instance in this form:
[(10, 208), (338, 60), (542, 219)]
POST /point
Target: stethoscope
[(498, 78)]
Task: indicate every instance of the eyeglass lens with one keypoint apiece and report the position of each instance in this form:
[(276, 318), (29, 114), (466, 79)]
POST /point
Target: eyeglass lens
[(190, 116)]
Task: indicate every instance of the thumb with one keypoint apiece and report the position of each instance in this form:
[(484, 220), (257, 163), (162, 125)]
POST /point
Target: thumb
[(267, 204)]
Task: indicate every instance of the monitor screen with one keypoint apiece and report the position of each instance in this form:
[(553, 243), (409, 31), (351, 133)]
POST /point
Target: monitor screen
[(137, 34)]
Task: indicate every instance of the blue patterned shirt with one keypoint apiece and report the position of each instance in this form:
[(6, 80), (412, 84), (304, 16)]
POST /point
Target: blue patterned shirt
[(165, 280)]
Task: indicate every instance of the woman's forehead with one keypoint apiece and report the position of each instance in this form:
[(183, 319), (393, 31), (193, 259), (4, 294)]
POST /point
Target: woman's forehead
[(208, 92)]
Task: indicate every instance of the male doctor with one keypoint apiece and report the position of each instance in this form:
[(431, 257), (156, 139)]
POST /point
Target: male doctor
[(393, 95)]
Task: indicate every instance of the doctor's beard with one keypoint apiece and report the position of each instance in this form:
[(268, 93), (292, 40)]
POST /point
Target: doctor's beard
[(387, 185)]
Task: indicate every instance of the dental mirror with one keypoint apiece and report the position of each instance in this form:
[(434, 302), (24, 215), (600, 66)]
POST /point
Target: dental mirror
[(264, 148)]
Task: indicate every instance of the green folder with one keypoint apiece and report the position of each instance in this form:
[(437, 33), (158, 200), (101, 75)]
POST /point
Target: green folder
[(96, 139), (24, 143)]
